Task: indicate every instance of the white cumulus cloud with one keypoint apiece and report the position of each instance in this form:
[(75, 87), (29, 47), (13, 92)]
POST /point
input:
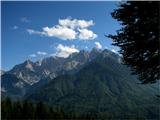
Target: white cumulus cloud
[(98, 45), (31, 31), (73, 23), (68, 29), (38, 53), (65, 51), (85, 24), (61, 32), (85, 34)]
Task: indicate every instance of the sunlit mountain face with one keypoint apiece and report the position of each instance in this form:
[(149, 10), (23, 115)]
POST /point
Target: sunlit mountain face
[(31, 73)]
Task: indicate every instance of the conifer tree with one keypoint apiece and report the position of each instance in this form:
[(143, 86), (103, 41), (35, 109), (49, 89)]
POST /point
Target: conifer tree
[(139, 37)]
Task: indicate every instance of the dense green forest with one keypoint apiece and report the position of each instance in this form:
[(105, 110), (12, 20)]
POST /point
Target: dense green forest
[(41, 111), (28, 110)]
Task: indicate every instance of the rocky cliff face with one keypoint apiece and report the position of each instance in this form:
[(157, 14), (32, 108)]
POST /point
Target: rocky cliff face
[(31, 73)]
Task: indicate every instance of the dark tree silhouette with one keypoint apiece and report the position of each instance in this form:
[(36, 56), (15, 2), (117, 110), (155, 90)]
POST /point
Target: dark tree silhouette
[(7, 111), (26, 110), (139, 38), (17, 109)]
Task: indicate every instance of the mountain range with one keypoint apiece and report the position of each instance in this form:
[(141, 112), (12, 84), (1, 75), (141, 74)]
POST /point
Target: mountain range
[(95, 82)]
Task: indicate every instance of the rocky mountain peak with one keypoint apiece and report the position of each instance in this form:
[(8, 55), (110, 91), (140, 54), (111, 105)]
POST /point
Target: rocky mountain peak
[(29, 65), (95, 50), (38, 63), (50, 67)]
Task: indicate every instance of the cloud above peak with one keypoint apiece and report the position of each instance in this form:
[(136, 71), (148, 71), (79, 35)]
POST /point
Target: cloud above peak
[(75, 23), (98, 45), (38, 54), (68, 29), (64, 51), (85, 34), (60, 32)]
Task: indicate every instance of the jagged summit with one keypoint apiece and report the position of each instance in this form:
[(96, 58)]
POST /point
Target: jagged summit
[(31, 73)]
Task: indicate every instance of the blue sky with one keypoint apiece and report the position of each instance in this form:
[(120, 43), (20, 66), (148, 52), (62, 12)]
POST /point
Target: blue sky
[(34, 30)]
